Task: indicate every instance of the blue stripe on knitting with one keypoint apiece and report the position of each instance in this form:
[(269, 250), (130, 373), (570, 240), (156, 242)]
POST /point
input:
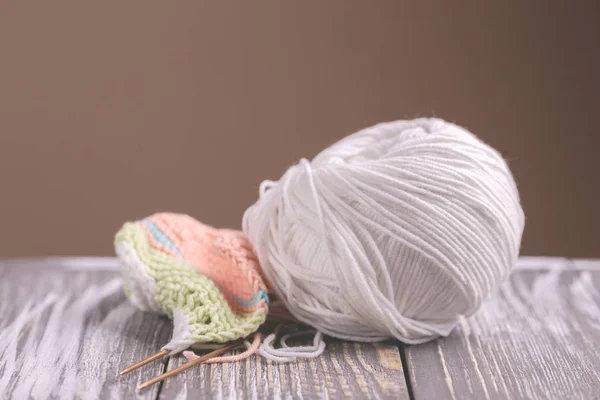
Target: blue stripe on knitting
[(259, 296), (160, 236), (247, 303)]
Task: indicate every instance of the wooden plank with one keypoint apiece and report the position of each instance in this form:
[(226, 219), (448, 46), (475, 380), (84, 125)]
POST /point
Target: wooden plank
[(345, 370), (66, 330), (539, 338)]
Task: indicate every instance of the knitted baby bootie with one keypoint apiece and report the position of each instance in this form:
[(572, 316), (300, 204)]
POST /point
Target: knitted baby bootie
[(208, 280)]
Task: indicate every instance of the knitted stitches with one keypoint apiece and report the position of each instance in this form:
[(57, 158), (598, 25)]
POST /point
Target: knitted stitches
[(225, 256), (206, 279)]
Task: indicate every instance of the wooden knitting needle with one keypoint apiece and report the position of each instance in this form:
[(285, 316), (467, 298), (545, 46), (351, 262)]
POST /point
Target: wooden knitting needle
[(190, 364), (144, 362)]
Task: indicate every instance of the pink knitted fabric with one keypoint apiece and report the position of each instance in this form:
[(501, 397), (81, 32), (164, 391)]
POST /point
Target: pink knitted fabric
[(222, 255)]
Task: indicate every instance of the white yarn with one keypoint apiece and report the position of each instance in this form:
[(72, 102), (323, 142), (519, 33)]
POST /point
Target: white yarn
[(287, 353), (394, 231), (181, 332), (138, 283)]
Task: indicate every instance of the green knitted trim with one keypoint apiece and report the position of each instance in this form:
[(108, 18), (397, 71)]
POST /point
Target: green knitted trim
[(179, 286)]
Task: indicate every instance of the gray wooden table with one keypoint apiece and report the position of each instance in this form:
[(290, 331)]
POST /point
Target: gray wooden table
[(66, 330)]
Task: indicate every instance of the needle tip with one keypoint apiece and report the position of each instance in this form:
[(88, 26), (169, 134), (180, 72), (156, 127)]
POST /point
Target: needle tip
[(190, 364), (144, 362)]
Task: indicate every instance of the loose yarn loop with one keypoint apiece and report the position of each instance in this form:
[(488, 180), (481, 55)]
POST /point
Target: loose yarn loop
[(284, 354), (287, 353), (394, 231)]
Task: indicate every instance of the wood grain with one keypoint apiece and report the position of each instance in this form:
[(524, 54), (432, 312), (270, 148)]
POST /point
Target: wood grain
[(66, 330), (345, 370), (539, 338)]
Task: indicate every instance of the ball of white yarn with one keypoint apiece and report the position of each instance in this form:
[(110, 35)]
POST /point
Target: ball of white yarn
[(394, 231)]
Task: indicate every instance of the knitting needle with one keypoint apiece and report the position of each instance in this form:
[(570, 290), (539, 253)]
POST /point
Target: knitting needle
[(144, 362), (190, 364)]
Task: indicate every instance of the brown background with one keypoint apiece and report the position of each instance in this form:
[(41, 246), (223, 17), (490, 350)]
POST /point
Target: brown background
[(110, 111)]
